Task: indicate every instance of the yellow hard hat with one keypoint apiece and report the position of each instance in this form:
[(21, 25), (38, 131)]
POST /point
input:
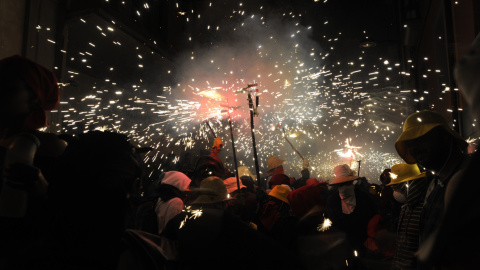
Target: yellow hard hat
[(280, 192), (417, 125), (405, 172)]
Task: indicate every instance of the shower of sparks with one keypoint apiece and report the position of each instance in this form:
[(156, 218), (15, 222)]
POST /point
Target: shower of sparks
[(327, 223), (321, 99), (350, 151), (191, 214)]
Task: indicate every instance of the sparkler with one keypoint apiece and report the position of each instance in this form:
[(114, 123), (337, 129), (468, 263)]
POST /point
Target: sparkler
[(191, 214), (327, 223)]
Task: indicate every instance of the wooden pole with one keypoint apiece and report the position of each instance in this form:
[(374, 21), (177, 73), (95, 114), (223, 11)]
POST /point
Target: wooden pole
[(294, 149)]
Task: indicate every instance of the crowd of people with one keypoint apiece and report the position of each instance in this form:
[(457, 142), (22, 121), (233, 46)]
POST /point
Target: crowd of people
[(84, 201)]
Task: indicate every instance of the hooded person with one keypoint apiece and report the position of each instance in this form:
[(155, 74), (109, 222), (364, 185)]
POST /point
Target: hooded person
[(27, 91), (409, 188), (454, 243), (429, 141), (28, 156), (170, 197), (349, 207)]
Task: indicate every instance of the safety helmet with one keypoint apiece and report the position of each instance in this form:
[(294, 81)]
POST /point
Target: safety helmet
[(417, 125), (405, 172)]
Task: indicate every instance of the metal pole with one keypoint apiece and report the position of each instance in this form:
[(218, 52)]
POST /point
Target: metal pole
[(359, 168), (234, 152), (211, 130), (255, 156)]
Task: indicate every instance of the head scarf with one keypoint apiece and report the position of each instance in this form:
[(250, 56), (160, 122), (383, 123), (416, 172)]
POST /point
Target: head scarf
[(348, 198), (231, 184), (176, 179), (279, 179), (40, 80)]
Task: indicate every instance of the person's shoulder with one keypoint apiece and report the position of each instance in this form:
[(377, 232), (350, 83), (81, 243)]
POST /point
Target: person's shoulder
[(50, 144), (173, 202), (173, 225), (176, 202)]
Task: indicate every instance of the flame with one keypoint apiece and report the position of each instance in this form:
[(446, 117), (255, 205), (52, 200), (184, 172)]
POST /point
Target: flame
[(210, 93), (350, 150), (349, 154)]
